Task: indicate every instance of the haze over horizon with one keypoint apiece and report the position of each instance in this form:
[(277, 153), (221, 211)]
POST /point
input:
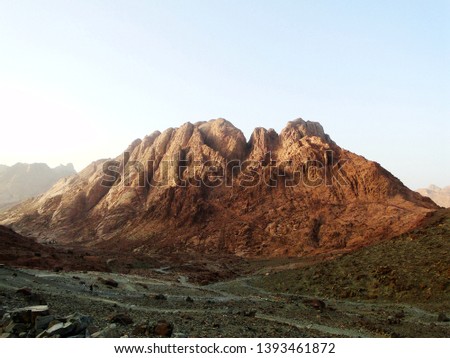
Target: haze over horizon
[(81, 81)]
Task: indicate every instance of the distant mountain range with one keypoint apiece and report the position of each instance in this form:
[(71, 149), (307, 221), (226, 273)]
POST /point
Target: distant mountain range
[(23, 181), (440, 196)]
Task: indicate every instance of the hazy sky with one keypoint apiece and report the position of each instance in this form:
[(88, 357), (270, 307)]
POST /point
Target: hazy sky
[(79, 80)]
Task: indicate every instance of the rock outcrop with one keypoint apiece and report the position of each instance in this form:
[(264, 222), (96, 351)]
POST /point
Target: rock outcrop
[(201, 187)]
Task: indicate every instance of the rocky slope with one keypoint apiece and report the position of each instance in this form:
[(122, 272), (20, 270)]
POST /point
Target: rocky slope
[(183, 190), (23, 181), (440, 196), (412, 268), (21, 251)]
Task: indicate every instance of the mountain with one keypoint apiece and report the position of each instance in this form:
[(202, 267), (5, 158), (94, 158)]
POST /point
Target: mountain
[(440, 196), (23, 181), (203, 188), (17, 250)]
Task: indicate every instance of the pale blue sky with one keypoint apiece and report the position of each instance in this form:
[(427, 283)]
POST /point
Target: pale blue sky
[(79, 80)]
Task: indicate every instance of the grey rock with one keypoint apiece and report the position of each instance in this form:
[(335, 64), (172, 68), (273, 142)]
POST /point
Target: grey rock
[(80, 322), (109, 332), (6, 319), (42, 322), (29, 314), (60, 329), (16, 328)]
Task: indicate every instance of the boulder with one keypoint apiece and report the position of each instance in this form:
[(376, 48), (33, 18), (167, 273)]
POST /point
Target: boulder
[(24, 291), (109, 282), (42, 322), (110, 331), (160, 297), (122, 319), (69, 326), (61, 329), (315, 303), (28, 315), (140, 329), (163, 329)]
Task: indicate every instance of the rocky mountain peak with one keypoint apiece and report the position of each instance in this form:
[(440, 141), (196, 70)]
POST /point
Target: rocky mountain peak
[(291, 194), (298, 128), (222, 136)]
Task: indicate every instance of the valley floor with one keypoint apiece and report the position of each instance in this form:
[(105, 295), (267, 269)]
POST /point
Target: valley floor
[(234, 308)]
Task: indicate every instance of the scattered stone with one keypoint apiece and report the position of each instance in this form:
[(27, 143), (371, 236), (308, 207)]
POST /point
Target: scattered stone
[(109, 332), (60, 329), (163, 329), (180, 335), (160, 296), (71, 326), (5, 319), (75, 277), (28, 315), (25, 291), (80, 322), (122, 319), (315, 303), (189, 299), (52, 323), (42, 322), (143, 285), (16, 328), (393, 320), (249, 313), (108, 282), (442, 317), (140, 329)]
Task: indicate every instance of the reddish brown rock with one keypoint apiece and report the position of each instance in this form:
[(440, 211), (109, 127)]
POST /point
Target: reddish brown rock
[(296, 193), (163, 329)]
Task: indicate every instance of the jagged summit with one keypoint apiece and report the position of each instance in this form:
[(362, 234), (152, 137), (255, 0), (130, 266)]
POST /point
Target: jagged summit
[(229, 141), (203, 187)]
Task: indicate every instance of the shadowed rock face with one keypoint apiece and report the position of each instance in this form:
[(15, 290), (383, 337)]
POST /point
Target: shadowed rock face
[(202, 187)]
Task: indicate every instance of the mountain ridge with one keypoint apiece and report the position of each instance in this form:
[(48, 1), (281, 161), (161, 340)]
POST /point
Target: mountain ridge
[(204, 187), (440, 196), (22, 181)]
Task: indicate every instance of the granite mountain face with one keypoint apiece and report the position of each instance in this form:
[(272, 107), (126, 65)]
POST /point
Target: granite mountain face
[(203, 188)]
